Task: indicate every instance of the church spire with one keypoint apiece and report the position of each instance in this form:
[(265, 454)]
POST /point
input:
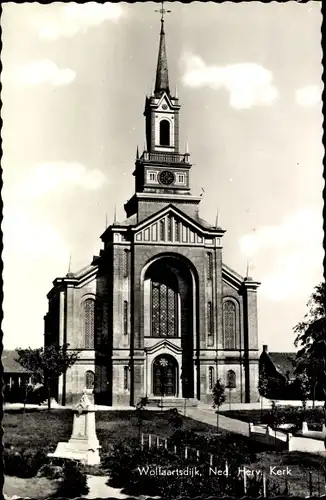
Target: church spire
[(162, 76)]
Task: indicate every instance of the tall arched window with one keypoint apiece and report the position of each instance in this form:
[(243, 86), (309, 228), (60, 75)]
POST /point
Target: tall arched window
[(211, 377), (125, 317), (229, 325), (164, 133), (89, 379), (164, 307), (210, 326), (209, 266), (89, 310), (126, 378), (126, 263), (231, 382)]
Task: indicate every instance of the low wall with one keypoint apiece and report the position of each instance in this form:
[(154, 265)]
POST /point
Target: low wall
[(267, 435), (309, 441), (305, 444), (320, 435)]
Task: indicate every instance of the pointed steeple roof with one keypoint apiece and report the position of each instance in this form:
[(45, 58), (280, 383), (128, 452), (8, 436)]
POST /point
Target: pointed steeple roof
[(162, 75)]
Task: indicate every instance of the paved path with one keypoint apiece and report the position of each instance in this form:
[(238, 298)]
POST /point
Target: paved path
[(99, 489), (208, 416)]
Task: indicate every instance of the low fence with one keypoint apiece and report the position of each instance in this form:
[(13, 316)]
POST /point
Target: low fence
[(153, 441), (312, 483)]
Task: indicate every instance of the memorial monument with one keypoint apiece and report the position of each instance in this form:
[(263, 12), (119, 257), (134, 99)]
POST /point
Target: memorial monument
[(83, 444)]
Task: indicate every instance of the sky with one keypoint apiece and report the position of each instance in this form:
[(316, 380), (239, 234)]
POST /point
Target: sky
[(74, 82)]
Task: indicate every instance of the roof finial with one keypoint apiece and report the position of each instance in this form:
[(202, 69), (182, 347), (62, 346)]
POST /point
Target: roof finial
[(115, 215), (137, 153), (176, 92), (186, 146), (247, 271), (216, 220), (106, 221), (162, 11), (69, 273)]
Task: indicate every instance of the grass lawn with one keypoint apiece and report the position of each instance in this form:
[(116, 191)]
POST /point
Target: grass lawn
[(42, 430), (35, 487)]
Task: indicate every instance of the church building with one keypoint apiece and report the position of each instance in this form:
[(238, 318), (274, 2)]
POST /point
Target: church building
[(157, 313)]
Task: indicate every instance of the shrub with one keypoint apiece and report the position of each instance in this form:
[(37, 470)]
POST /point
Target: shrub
[(13, 462), (23, 464), (51, 471), (123, 465), (74, 482)]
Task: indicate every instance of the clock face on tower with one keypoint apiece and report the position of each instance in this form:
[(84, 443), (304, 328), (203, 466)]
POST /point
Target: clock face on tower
[(166, 177)]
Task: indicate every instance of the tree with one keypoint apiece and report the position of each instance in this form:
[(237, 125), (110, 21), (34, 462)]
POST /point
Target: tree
[(218, 397), (311, 338), (263, 389), (139, 411), (304, 386), (47, 364)]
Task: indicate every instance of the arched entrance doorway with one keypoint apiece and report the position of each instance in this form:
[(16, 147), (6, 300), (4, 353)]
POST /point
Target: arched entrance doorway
[(170, 312), (165, 376)]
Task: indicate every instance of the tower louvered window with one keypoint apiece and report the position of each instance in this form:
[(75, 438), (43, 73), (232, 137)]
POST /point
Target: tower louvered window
[(229, 325), (164, 310), (89, 316), (164, 133)]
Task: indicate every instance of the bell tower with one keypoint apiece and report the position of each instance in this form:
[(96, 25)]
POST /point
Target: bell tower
[(162, 109), (161, 172)]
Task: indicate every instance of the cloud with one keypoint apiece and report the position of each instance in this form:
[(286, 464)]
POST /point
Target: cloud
[(288, 257), (53, 176), (309, 96), (249, 84), (73, 18), (28, 233), (39, 72)]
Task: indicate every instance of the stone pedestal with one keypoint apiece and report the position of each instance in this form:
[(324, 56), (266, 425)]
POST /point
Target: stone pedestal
[(83, 444)]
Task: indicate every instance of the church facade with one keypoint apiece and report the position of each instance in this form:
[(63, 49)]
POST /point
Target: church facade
[(157, 313)]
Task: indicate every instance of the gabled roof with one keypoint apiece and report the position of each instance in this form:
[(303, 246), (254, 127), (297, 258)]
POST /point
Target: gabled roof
[(170, 208), (283, 362), (9, 364), (130, 221), (77, 277)]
